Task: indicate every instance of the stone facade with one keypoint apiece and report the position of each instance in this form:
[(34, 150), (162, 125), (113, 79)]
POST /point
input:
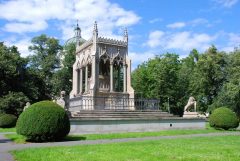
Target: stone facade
[(102, 68)]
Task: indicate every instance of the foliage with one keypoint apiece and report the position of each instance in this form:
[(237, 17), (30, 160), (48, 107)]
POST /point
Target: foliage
[(13, 103), (45, 60), (62, 78), (209, 75), (12, 69), (158, 78), (230, 92), (43, 121), (7, 120), (223, 118)]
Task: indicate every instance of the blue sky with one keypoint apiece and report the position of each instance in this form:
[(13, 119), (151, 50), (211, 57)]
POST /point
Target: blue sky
[(154, 26)]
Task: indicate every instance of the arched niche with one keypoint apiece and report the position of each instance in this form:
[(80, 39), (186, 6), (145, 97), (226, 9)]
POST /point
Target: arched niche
[(118, 74)]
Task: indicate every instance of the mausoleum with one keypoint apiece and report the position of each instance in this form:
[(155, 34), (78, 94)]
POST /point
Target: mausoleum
[(101, 73)]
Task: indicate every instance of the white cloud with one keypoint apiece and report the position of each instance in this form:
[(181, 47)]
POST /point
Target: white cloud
[(30, 12), (233, 41), (25, 16), (226, 3), (22, 45), (198, 21), (154, 38), (176, 25), (138, 58), (18, 27), (155, 20), (184, 41)]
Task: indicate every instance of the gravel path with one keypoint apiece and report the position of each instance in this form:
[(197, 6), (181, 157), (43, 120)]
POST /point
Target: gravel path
[(7, 145)]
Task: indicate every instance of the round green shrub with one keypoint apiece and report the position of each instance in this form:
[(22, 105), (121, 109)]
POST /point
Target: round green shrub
[(223, 118), (7, 120), (43, 121)]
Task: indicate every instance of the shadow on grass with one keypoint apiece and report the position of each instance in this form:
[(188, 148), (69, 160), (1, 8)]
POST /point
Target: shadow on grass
[(66, 139), (74, 138)]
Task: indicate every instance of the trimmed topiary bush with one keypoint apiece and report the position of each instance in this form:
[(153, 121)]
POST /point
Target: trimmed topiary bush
[(43, 121), (7, 120), (223, 118)]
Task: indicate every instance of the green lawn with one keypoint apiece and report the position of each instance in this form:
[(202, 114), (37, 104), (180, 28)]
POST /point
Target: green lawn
[(191, 149), (8, 129), (20, 139)]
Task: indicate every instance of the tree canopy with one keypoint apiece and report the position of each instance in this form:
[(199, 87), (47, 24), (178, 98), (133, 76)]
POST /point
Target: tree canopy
[(212, 77)]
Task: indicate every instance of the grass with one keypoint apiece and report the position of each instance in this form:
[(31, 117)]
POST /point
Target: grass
[(190, 149), (13, 129), (20, 139)]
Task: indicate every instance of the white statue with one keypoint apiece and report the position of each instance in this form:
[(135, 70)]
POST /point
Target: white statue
[(26, 106), (191, 103), (61, 100)]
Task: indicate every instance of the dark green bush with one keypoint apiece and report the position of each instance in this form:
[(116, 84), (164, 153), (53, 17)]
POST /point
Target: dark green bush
[(43, 121), (13, 103), (7, 120), (223, 118)]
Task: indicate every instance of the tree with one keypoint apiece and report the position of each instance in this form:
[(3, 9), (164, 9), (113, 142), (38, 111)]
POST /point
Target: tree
[(13, 103), (45, 60), (208, 77), (230, 92), (158, 78), (185, 75), (12, 69), (62, 78)]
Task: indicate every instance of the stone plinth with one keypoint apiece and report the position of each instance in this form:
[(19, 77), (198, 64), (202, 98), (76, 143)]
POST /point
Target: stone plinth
[(190, 114)]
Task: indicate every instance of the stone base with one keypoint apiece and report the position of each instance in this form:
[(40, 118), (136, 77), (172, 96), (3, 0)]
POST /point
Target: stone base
[(190, 115), (134, 125)]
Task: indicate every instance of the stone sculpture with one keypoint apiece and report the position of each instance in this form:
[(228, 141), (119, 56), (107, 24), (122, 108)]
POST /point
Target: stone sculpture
[(191, 103), (26, 106), (61, 100)]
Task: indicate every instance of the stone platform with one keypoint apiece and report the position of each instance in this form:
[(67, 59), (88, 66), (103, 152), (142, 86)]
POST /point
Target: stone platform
[(107, 121)]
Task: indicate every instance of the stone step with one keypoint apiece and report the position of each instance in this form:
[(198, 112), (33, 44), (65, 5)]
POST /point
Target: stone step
[(95, 112), (121, 114)]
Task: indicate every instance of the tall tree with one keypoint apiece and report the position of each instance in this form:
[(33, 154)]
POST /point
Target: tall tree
[(230, 93), (158, 78), (185, 75), (45, 60), (12, 69), (62, 78), (209, 77)]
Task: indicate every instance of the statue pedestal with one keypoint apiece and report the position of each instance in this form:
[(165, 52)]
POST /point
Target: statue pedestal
[(190, 114)]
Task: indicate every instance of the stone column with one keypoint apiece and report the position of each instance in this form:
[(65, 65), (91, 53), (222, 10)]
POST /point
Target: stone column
[(86, 78), (78, 81), (124, 78), (111, 76), (81, 84)]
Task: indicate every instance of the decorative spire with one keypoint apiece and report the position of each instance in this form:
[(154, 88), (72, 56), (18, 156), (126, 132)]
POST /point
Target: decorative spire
[(125, 35), (77, 34), (95, 29)]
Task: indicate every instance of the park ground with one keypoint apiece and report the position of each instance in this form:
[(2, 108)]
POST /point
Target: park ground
[(205, 144)]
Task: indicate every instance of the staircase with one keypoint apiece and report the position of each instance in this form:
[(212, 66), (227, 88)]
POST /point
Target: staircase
[(119, 115)]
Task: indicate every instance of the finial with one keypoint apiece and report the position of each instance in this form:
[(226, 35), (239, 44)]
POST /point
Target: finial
[(125, 35), (95, 29), (125, 32), (95, 26)]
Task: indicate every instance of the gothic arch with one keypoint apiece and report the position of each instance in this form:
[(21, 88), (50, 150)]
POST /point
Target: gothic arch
[(89, 60), (78, 65), (118, 60)]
